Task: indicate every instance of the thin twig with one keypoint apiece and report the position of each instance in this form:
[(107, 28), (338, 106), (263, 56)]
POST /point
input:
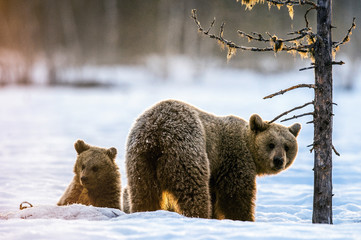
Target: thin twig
[(338, 63), (302, 31), (287, 112), (334, 149), (221, 30), (306, 68), (289, 89), (347, 37), (306, 13), (23, 207), (258, 37), (212, 24), (311, 145), (311, 151), (298, 116)]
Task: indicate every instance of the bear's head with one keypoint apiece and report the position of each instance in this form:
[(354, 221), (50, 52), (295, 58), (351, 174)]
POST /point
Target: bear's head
[(273, 146), (95, 167)]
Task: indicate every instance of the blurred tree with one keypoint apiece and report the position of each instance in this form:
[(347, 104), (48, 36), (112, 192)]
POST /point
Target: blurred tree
[(320, 48)]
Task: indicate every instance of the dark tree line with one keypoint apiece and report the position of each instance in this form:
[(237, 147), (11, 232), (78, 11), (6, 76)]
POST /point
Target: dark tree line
[(78, 32)]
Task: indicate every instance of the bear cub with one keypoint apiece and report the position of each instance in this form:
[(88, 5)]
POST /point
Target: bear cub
[(183, 159), (97, 178)]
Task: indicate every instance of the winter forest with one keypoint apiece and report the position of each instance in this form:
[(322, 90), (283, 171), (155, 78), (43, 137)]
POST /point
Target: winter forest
[(86, 69), (52, 37)]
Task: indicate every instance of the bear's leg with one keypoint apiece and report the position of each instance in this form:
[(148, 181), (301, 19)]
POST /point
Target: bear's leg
[(235, 199), (194, 203), (143, 187), (239, 207), (186, 180), (72, 193)]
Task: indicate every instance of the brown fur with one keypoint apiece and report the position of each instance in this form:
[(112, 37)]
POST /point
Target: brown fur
[(97, 178), (200, 165), (125, 199)]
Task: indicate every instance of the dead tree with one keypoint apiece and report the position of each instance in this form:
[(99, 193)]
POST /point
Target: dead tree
[(320, 48)]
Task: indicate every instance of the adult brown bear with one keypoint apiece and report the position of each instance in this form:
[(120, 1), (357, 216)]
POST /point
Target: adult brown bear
[(201, 165)]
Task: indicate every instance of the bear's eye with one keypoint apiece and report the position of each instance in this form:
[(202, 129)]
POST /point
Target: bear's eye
[(94, 169), (271, 146), (287, 148), (82, 167)]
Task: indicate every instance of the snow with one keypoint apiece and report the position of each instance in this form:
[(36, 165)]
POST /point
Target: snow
[(71, 212), (39, 126)]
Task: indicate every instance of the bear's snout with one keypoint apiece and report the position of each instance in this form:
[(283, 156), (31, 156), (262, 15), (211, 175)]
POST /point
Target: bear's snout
[(278, 162), (84, 179)]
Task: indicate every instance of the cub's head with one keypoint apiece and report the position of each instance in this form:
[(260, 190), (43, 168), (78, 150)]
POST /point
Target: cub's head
[(273, 146), (95, 167)]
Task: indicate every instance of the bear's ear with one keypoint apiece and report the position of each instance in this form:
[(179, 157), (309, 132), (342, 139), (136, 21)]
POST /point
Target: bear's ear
[(295, 129), (257, 124), (112, 153), (80, 146)]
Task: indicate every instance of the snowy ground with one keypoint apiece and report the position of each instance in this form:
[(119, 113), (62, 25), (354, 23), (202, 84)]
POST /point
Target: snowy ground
[(38, 126)]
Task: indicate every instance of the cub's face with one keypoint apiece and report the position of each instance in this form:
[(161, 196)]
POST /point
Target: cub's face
[(275, 146), (94, 166)]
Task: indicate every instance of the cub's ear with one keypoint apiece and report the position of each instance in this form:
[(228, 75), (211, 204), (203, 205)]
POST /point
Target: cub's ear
[(295, 129), (257, 124), (112, 153), (80, 146)]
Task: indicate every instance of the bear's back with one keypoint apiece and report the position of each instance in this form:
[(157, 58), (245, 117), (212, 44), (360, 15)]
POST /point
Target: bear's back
[(172, 122), (164, 124)]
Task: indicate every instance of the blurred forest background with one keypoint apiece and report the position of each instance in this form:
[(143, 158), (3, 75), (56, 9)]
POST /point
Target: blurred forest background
[(42, 39)]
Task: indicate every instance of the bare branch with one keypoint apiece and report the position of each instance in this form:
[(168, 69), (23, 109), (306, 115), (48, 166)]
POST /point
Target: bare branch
[(303, 30), (250, 3), (334, 149), (347, 37), (293, 109), (311, 149), (297, 116), (290, 2), (194, 16), (256, 36), (305, 16), (212, 24), (302, 33), (306, 68), (221, 30), (231, 45), (313, 67), (289, 89), (338, 63)]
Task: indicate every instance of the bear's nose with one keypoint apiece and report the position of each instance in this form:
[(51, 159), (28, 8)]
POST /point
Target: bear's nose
[(84, 179), (278, 162)]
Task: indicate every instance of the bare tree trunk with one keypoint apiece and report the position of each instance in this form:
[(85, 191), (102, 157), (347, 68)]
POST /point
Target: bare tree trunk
[(322, 201)]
